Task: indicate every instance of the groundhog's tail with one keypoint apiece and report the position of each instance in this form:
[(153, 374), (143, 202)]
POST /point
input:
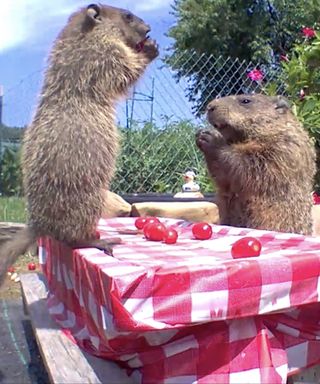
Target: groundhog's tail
[(13, 248)]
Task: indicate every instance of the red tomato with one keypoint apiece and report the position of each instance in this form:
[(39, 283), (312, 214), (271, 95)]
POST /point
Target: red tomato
[(151, 219), (246, 247), (140, 222), (202, 231), (11, 269), (146, 229), (155, 231), (32, 266), (170, 236), (316, 198)]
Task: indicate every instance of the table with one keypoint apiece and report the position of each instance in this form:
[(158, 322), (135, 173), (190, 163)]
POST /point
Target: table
[(188, 312)]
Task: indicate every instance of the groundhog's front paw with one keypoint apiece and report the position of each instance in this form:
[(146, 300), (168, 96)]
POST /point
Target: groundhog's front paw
[(151, 49), (208, 140)]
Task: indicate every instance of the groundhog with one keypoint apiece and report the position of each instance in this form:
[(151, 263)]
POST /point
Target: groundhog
[(69, 151), (262, 162)]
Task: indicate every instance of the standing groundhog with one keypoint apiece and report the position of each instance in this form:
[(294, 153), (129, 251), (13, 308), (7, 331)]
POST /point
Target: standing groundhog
[(262, 161), (70, 149)]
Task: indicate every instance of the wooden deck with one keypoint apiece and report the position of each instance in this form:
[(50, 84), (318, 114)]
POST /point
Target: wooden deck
[(309, 376), (7, 230)]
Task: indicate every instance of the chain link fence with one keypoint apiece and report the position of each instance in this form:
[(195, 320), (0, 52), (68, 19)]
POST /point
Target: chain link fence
[(159, 119)]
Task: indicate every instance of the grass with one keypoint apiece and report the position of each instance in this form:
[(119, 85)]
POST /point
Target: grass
[(12, 209)]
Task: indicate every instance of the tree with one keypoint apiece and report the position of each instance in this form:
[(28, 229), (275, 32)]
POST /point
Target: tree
[(10, 175), (259, 31), (13, 134), (301, 76)]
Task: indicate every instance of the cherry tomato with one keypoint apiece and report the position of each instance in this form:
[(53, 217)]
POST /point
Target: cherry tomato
[(140, 222), (170, 236), (11, 269), (32, 266), (146, 230), (155, 231), (152, 219), (246, 247), (139, 46), (316, 198), (202, 231)]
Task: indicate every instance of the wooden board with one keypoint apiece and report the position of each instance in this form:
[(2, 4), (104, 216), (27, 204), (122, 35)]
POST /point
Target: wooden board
[(7, 230), (115, 206), (190, 211), (308, 376), (65, 362)]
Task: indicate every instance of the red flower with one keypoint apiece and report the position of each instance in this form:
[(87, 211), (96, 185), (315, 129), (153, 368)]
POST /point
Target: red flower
[(255, 75), (284, 58), (308, 32)]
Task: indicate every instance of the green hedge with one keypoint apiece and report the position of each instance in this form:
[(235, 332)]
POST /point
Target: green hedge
[(152, 159)]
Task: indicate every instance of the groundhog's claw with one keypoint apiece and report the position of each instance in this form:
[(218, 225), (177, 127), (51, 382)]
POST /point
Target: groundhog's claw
[(208, 140), (151, 49), (105, 245), (201, 139)]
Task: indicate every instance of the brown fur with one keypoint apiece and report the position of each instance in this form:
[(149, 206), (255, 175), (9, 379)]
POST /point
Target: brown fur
[(70, 149), (262, 161)]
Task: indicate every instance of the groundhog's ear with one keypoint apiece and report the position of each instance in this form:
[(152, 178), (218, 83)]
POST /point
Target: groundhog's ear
[(94, 13), (282, 104)]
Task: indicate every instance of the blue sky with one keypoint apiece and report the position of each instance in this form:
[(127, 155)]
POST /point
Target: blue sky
[(27, 30)]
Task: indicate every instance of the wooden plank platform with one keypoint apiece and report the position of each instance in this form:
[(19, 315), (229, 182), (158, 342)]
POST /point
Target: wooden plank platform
[(308, 376), (7, 230), (65, 362)]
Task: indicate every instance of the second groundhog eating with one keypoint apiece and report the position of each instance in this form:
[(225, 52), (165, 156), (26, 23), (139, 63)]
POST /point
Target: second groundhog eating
[(262, 162)]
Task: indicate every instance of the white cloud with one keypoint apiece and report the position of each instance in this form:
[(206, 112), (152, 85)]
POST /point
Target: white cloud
[(152, 5), (25, 22)]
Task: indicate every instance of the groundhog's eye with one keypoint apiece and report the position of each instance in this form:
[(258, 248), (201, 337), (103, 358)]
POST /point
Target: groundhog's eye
[(129, 16), (245, 101)]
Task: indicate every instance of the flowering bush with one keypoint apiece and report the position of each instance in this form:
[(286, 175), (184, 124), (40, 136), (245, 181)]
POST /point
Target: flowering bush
[(301, 76)]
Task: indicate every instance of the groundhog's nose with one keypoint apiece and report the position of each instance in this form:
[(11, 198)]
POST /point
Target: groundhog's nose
[(147, 28)]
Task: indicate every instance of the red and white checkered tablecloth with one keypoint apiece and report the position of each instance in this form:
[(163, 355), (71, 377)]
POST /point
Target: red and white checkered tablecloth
[(187, 312)]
